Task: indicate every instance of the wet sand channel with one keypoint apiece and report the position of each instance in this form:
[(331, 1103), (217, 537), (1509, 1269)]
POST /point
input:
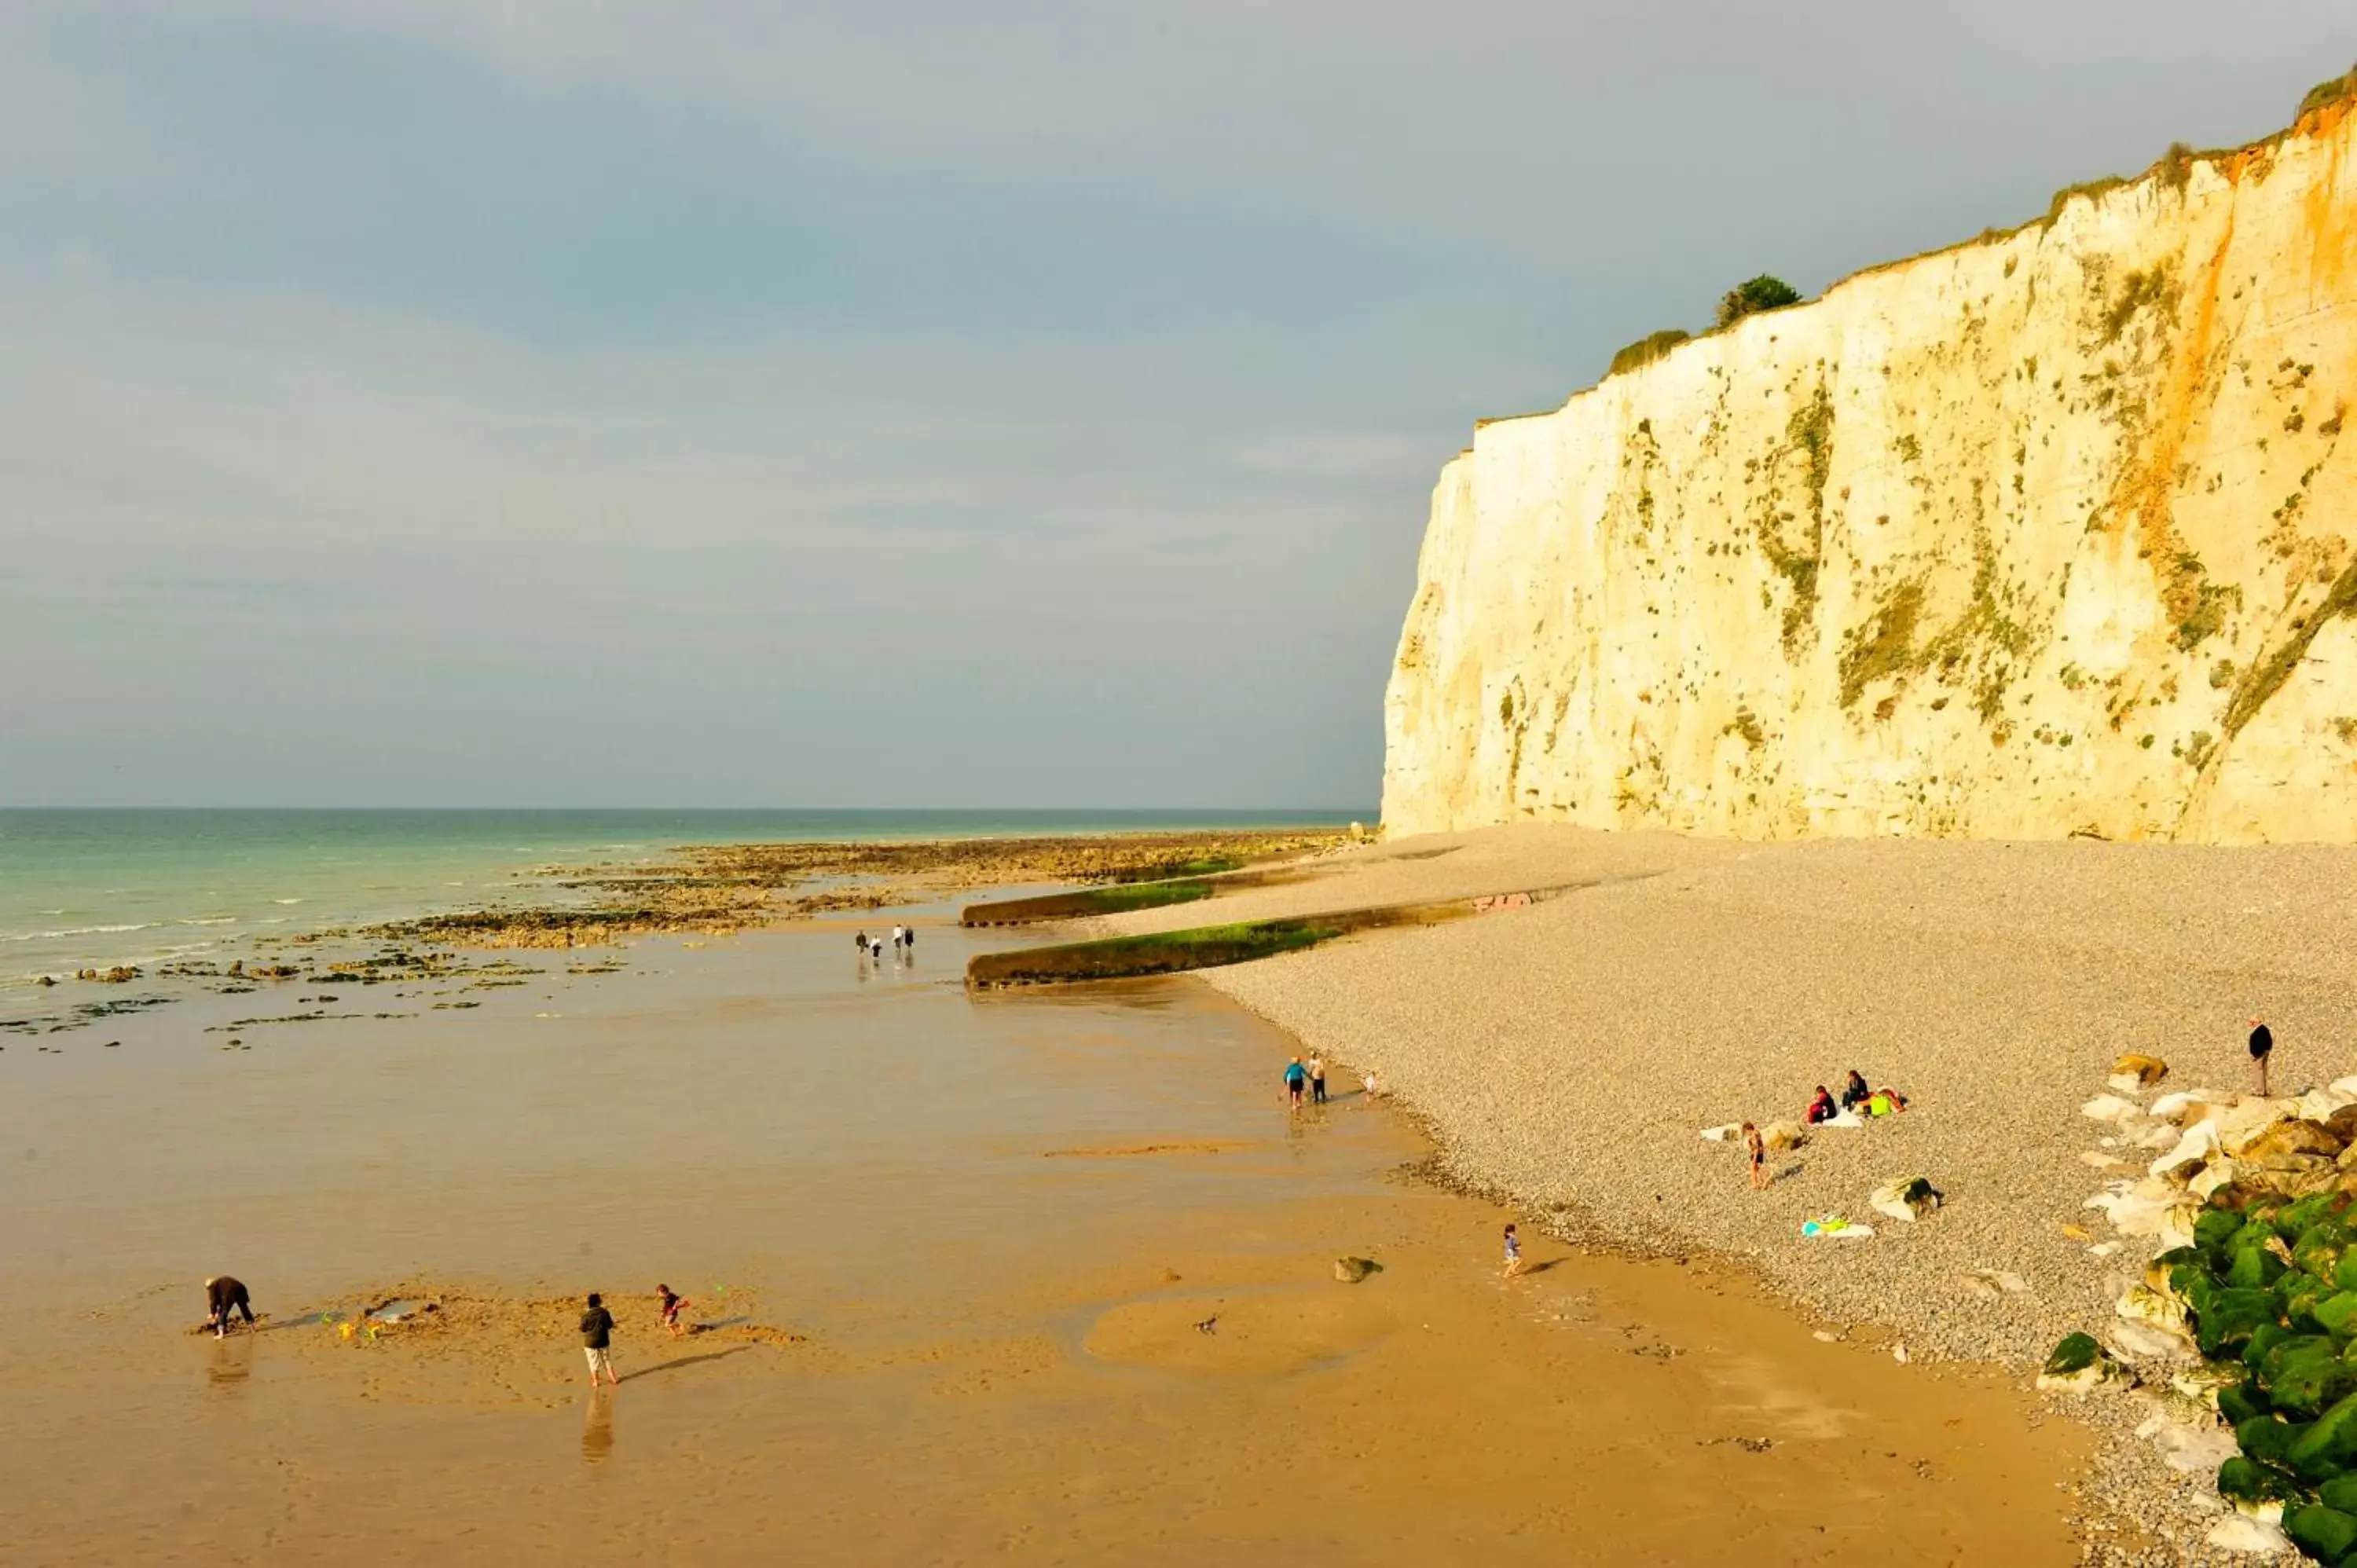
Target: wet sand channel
[(1028, 1278)]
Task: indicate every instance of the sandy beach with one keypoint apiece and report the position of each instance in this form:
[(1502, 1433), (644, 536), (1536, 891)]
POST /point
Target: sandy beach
[(1567, 1054), (951, 1256)]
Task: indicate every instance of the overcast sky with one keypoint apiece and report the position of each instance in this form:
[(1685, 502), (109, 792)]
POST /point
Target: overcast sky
[(901, 402)]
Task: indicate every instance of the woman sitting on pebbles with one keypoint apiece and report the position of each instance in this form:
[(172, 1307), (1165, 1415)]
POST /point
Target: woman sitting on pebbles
[(1855, 1092), (1822, 1109)]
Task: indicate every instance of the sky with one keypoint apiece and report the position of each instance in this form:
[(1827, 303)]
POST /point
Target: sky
[(908, 402)]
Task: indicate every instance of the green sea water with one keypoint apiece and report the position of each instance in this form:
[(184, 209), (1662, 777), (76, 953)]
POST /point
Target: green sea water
[(84, 888)]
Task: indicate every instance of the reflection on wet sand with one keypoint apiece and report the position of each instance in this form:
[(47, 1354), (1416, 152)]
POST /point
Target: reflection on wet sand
[(231, 1361), (598, 1426), (958, 1349)]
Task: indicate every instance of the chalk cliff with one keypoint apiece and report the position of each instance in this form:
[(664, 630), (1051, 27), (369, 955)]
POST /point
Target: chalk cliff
[(2047, 534)]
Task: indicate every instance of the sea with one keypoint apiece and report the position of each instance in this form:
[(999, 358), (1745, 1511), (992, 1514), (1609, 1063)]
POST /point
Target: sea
[(93, 888)]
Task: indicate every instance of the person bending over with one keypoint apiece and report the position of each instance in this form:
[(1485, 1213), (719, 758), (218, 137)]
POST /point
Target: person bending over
[(224, 1295)]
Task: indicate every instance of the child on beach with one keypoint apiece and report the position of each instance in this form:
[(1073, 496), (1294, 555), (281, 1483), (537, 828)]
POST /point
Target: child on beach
[(596, 1341), (2263, 1042), (1373, 1090), (1296, 1075), (1317, 1081), (1758, 1151), (1513, 1253), (671, 1306)]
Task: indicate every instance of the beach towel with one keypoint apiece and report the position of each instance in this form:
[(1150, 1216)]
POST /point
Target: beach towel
[(1835, 1225)]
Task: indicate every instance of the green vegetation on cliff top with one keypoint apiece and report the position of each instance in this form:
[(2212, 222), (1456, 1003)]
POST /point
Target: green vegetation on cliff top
[(2174, 168)]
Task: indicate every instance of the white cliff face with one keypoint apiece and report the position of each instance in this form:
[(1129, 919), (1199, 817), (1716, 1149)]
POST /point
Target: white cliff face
[(2046, 535)]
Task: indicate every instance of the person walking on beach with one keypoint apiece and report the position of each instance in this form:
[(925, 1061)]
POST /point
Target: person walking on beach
[(671, 1304), (1317, 1081), (596, 1341), (1296, 1075), (2263, 1043), (1513, 1253), (1758, 1149), (224, 1295)]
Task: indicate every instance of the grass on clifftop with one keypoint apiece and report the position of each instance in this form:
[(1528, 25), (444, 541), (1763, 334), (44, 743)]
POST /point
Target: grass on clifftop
[(2325, 93), (1647, 349)]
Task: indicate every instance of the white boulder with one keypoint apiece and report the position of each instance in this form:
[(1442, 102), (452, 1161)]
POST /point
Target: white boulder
[(2213, 1176), (2248, 1121), (2193, 1450), (2318, 1104), (2194, 1146), (1905, 1197), (2240, 1532)]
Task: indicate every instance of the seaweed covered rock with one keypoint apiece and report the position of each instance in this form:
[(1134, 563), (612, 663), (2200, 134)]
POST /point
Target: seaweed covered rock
[(2265, 1440), (2249, 1482), (2076, 1365), (2253, 1264), (2327, 1447), (2304, 1375), (2324, 1533), (2240, 1401), (2233, 1317), (2267, 1286)]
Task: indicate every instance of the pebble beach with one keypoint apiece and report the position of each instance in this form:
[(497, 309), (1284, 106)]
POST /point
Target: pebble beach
[(1567, 1055)]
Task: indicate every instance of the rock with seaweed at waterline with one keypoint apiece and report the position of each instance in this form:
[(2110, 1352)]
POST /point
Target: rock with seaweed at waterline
[(2077, 1365), (2325, 1533)]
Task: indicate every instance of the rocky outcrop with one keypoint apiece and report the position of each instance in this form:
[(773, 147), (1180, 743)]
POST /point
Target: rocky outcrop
[(2045, 534)]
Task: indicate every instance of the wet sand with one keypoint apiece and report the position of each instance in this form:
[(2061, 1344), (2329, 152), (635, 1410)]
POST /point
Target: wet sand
[(955, 1252)]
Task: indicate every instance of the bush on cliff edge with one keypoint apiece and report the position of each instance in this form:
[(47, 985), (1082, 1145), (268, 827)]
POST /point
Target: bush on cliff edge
[(1762, 293)]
